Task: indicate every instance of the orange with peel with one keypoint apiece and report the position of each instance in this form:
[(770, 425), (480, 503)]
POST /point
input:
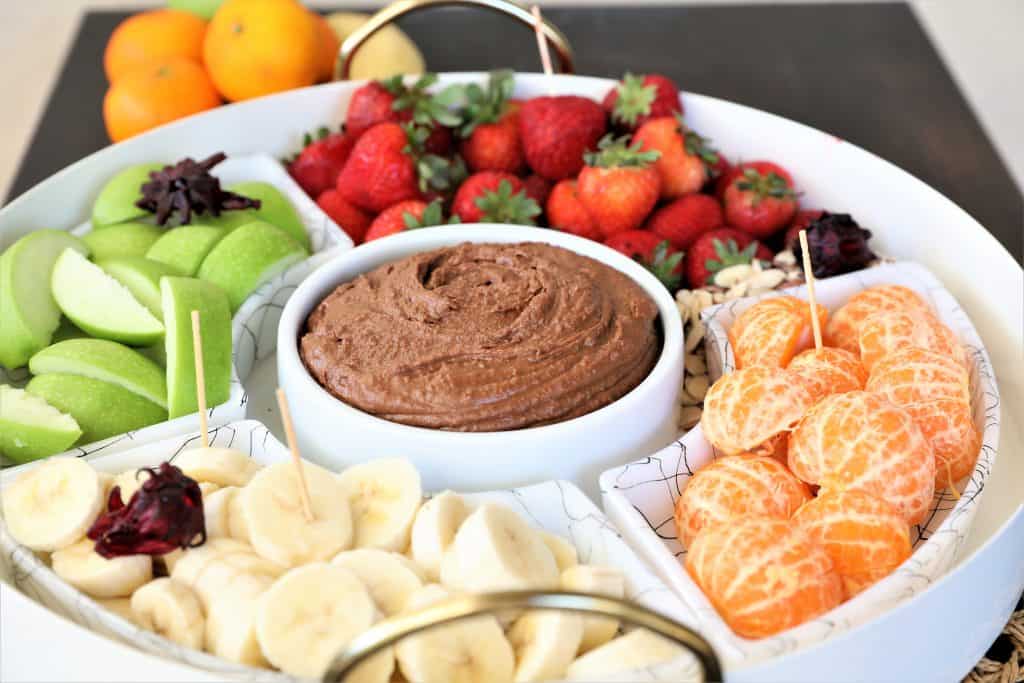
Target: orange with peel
[(843, 327), (327, 48), (152, 36), (885, 332), (771, 331), (829, 370)]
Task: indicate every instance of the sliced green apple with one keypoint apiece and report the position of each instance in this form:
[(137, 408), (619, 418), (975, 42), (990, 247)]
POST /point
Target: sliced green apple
[(100, 408), (204, 9), (67, 330), (116, 201), (123, 239), (181, 296), (104, 360), (28, 313), (156, 353), (275, 208), (99, 304), (185, 247), (30, 428), (142, 278), (248, 257)]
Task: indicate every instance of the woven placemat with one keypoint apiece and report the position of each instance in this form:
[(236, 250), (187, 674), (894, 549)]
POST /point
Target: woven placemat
[(1004, 661)]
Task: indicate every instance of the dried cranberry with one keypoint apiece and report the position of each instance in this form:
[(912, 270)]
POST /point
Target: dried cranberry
[(164, 514), (188, 188), (837, 245)]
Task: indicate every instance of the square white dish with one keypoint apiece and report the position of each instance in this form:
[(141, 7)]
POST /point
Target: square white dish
[(556, 506), (640, 496)]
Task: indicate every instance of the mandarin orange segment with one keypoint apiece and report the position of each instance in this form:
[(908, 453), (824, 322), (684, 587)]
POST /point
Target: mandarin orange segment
[(747, 408), (737, 486), (843, 328), (763, 575), (860, 440), (949, 426), (866, 537), (913, 375), (885, 332), (772, 330), (829, 370)]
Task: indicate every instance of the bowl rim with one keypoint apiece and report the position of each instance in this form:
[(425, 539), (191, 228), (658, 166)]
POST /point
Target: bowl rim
[(294, 376)]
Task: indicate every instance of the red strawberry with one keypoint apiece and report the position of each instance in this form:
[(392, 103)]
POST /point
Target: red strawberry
[(408, 215), (556, 131), (654, 253), (379, 172), (317, 166), (686, 158), (760, 199), (494, 197), (538, 189), (371, 104), (637, 99), (686, 219), (618, 185), (351, 219), (801, 221), (491, 126), (391, 100), (718, 249), (566, 212)]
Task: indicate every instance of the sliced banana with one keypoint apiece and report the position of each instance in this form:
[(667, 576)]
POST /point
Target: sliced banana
[(384, 496), (221, 466), (190, 564), (608, 581), (231, 621), (122, 607), (466, 651), (309, 615), (564, 551), (386, 53), (171, 609), (88, 571), (52, 505), (545, 644), (637, 649), (129, 482), (272, 512), (208, 488), (221, 572), (168, 560), (106, 483), (496, 550), (237, 527), (377, 669), (391, 578), (434, 529), (217, 512)]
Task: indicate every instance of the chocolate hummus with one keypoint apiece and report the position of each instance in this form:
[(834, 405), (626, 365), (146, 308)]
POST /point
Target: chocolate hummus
[(483, 337)]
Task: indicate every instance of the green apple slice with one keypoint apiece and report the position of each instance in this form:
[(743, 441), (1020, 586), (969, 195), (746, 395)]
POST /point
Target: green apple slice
[(248, 257), (185, 248), (142, 278), (104, 360), (156, 353), (100, 408), (123, 239), (67, 330), (181, 296), (116, 201), (204, 9), (30, 428), (28, 312), (275, 208), (99, 304)]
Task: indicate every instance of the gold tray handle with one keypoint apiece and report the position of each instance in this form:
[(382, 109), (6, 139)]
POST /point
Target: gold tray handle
[(394, 629), (397, 9)]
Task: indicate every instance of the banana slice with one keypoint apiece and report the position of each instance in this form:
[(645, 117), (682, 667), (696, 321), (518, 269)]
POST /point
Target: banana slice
[(122, 607), (216, 511), (223, 571), (496, 550), (190, 564), (231, 621), (377, 669), (164, 564), (434, 529), (106, 483), (129, 482), (391, 578), (387, 53), (637, 649), (466, 651), (88, 571), (384, 496), (309, 615), (237, 527), (564, 551), (278, 530), (170, 609), (589, 578), (545, 643), (53, 504), (221, 466), (208, 488)]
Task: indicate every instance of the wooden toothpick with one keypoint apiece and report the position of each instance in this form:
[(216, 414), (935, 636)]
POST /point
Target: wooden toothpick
[(542, 46), (809, 277), (197, 353), (293, 445)]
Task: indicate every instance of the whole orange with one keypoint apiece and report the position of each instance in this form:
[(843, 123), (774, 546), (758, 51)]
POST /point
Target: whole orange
[(257, 47), (155, 93), (329, 44), (151, 35)]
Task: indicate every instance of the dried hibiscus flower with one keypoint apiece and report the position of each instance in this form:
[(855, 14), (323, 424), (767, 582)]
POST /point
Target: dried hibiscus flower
[(164, 514), (186, 188), (837, 244)]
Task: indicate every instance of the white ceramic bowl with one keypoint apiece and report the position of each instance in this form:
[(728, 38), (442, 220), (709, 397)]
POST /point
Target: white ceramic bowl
[(337, 434)]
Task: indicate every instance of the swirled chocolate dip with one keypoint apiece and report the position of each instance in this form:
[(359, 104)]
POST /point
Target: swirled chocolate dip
[(483, 337)]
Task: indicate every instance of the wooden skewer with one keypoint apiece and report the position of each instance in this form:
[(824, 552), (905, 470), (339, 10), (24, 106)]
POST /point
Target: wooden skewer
[(197, 353), (542, 47), (293, 445), (809, 277)]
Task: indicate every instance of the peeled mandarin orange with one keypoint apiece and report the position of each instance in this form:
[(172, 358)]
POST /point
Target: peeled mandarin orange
[(748, 409), (843, 327), (737, 486), (763, 575), (771, 331), (258, 47), (949, 426), (884, 332), (865, 536), (913, 375), (829, 370), (860, 440), (153, 36), (156, 93)]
